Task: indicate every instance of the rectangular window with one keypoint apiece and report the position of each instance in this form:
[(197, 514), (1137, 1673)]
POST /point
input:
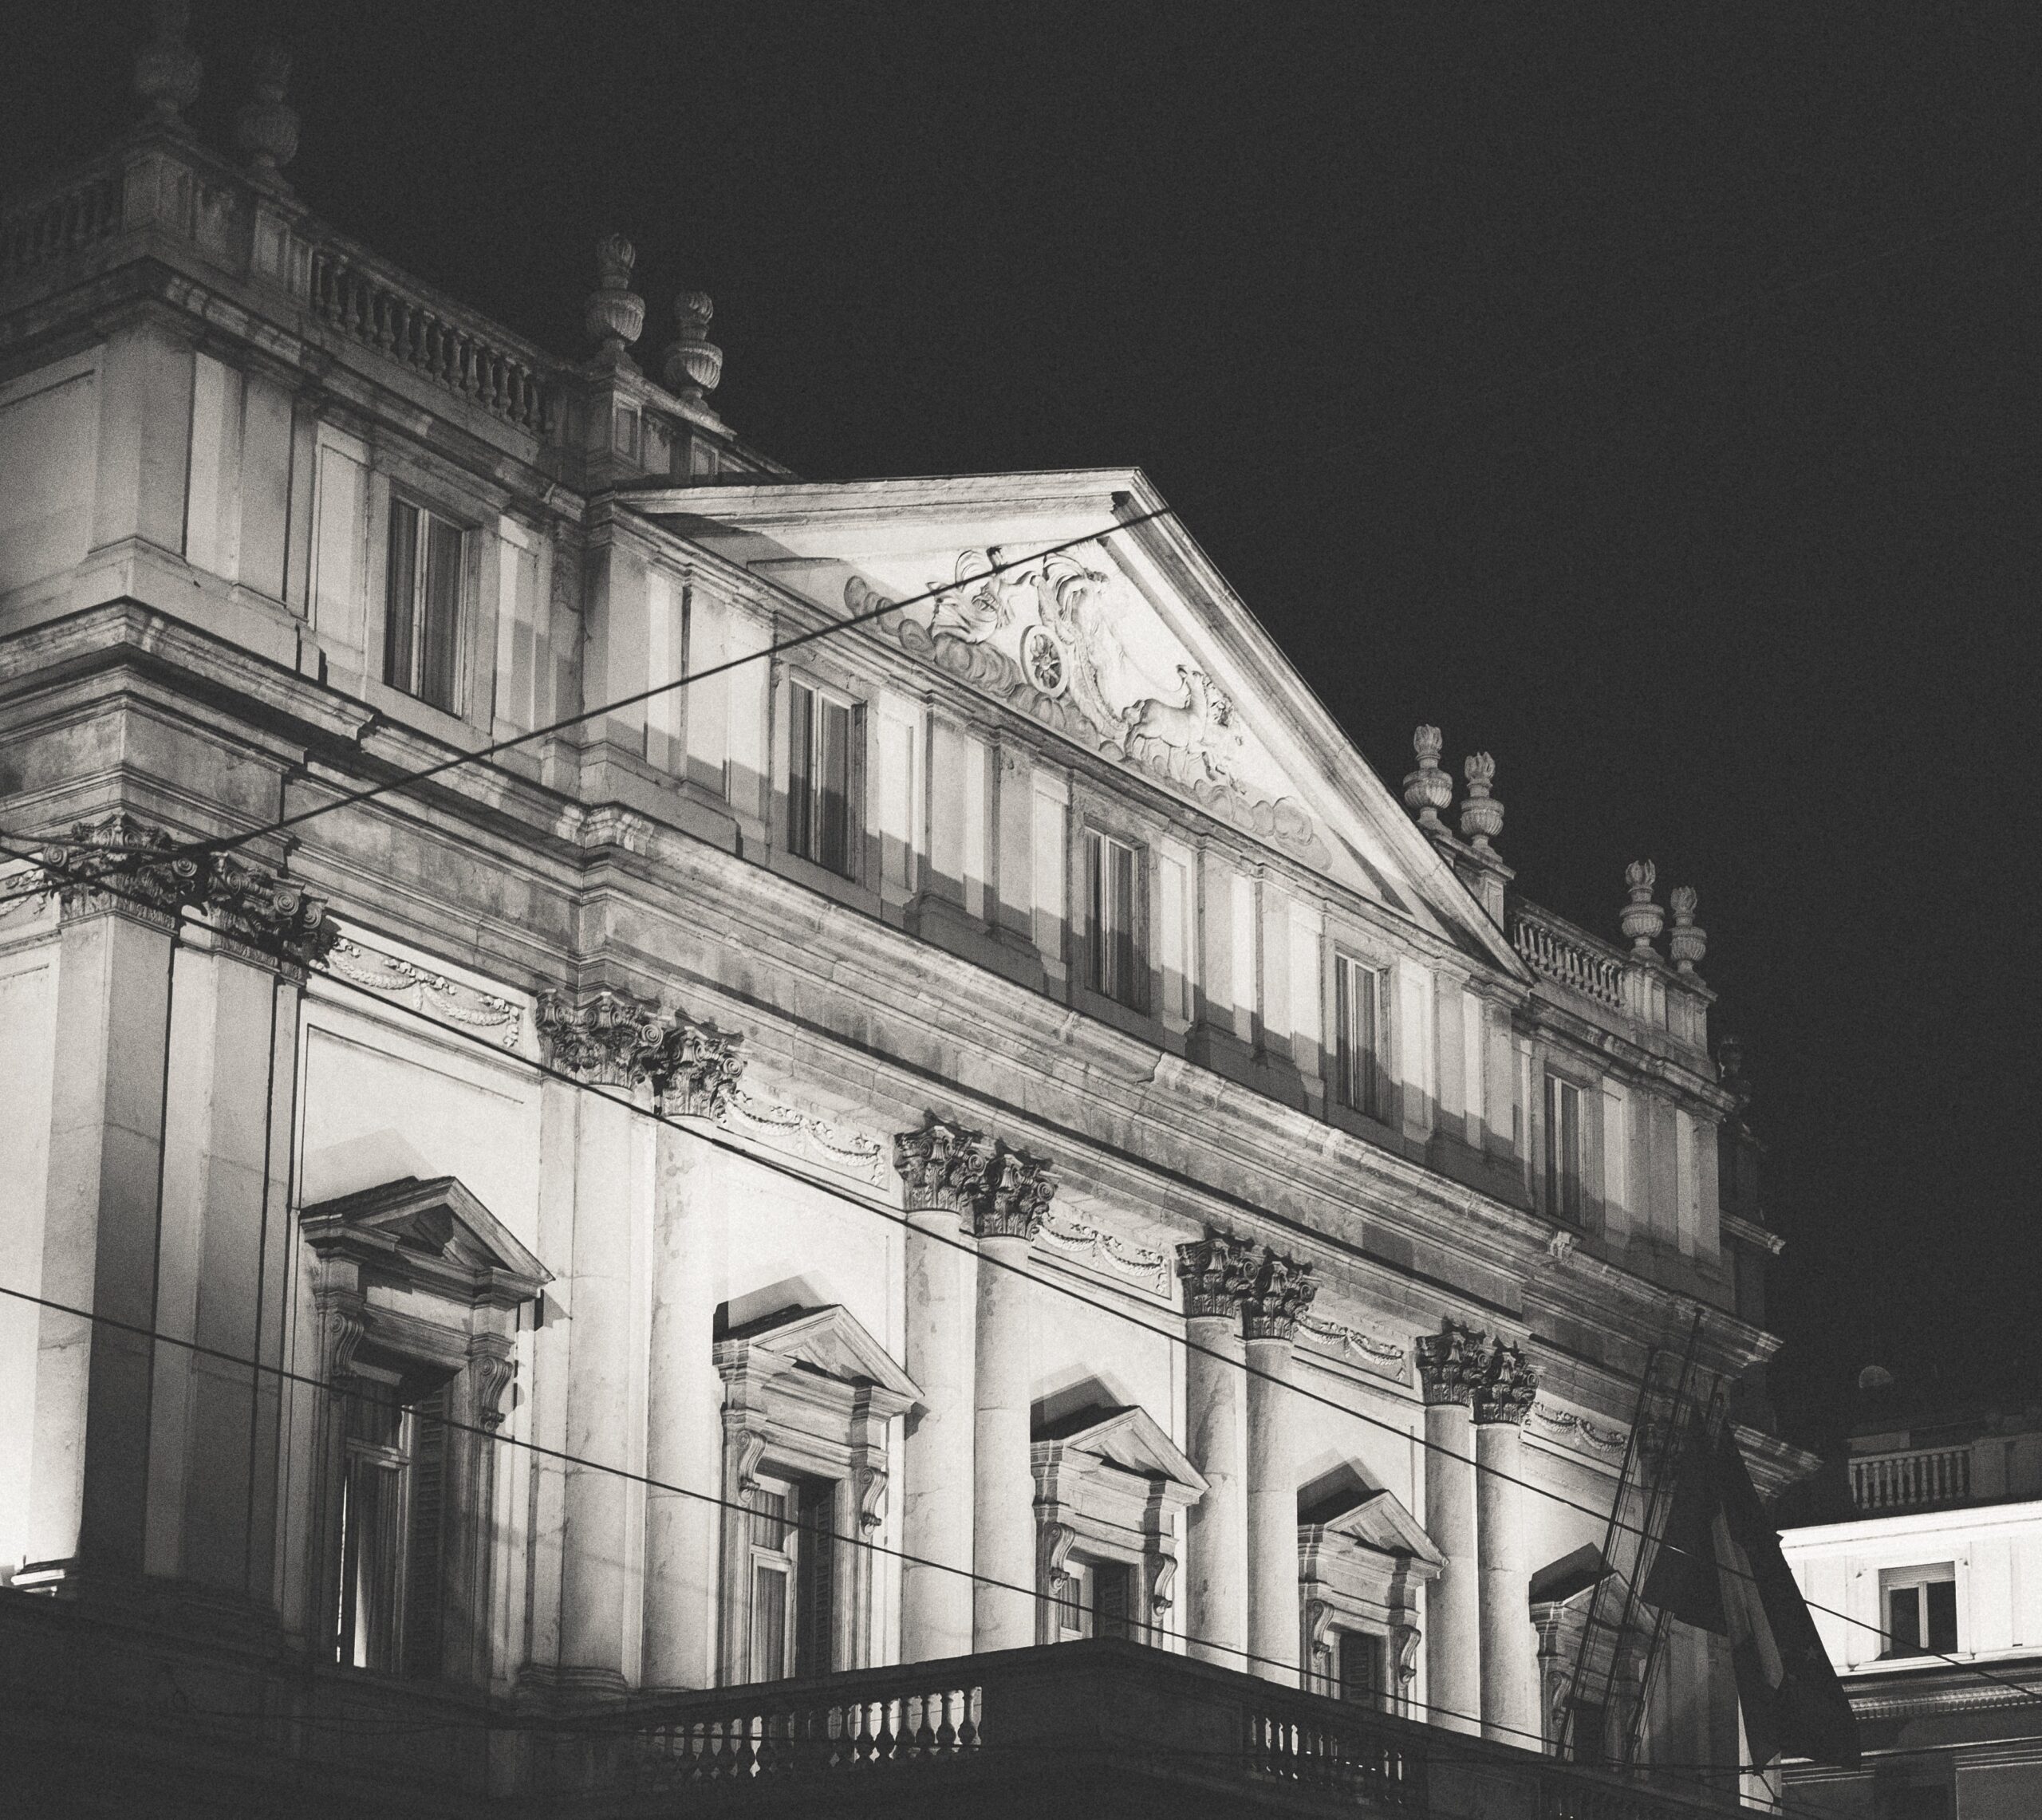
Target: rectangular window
[(1113, 1599), (1360, 1668), (392, 1511), (1358, 1036), (1563, 1149), (793, 1578), (1921, 1609), (1114, 962), (819, 778), (421, 611)]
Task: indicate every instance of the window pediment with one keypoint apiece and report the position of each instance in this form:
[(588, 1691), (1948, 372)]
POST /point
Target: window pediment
[(1126, 1441), (1378, 1526), (434, 1233), (831, 1344)]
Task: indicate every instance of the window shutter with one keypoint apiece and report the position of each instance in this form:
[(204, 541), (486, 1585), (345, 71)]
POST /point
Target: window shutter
[(815, 1598), (425, 1545), (1113, 1600), (439, 643), (801, 785), (400, 595)]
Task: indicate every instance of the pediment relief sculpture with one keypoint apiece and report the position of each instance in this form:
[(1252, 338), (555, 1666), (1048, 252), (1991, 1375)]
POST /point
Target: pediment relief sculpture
[(1045, 634)]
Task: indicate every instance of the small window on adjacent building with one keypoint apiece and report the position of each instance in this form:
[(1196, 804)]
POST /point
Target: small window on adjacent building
[(392, 1532), (1360, 1668), (793, 1575), (819, 743), (1921, 1609), (1358, 1036), (1112, 869), (422, 616), (1563, 1149)]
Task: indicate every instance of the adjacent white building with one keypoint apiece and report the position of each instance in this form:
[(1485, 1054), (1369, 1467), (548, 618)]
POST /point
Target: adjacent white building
[(1929, 1602)]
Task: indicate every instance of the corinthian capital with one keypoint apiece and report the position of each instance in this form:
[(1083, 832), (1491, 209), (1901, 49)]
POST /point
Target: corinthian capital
[(124, 866), (1452, 1363), (609, 1038), (697, 1068), (1509, 1383), (1218, 1272), (1282, 1289), (997, 1191), (274, 917)]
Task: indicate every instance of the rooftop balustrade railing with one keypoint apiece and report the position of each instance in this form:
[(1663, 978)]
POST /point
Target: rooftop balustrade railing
[(1916, 1479), (1556, 949)]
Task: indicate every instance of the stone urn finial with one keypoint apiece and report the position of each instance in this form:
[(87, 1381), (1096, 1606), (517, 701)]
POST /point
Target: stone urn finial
[(1641, 919), (614, 313), (1690, 941), (1428, 789), (267, 128), (1481, 815), (167, 70), (692, 364)]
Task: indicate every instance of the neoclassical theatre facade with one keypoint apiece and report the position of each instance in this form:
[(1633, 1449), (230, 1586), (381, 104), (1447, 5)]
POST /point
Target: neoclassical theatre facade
[(987, 1129)]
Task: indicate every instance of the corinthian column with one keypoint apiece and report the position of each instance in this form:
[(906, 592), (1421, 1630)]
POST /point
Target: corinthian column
[(1450, 1366), (1510, 1661), (1006, 1213), (937, 1175), (1218, 1274), (612, 1040), (1281, 1291), (697, 1068)]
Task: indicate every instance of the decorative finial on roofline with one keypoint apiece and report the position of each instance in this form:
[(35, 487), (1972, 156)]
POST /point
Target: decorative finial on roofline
[(1428, 789), (1641, 919), (167, 70), (613, 313), (693, 363), (267, 128), (1481, 815)]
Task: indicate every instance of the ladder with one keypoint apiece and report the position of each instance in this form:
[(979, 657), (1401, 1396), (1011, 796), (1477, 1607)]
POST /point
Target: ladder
[(1617, 1633)]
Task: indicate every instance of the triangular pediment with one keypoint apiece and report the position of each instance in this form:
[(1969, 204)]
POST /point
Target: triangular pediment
[(1378, 1520), (1128, 645), (436, 1220), (1130, 1439), (831, 1343)]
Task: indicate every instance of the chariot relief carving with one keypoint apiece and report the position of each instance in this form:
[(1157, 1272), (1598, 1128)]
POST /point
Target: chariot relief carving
[(1041, 634)]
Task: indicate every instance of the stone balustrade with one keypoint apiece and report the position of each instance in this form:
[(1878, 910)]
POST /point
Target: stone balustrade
[(1571, 957), (1621, 988), (368, 302), (47, 226), (1915, 1480)]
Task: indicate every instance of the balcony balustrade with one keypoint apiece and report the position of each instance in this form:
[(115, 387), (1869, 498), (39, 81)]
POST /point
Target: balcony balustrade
[(1916, 1480), (1105, 1728), (1571, 957)]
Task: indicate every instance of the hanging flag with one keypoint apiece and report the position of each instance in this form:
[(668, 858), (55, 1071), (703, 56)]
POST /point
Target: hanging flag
[(1719, 1567)]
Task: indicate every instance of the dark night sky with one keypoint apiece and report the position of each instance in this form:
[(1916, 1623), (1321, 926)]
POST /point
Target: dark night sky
[(1648, 395)]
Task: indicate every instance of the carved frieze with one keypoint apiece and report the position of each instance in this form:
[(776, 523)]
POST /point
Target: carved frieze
[(1218, 1274), (1280, 1291), (997, 1190), (609, 1038), (1141, 1264), (1368, 1350), (1042, 633), (431, 994)]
